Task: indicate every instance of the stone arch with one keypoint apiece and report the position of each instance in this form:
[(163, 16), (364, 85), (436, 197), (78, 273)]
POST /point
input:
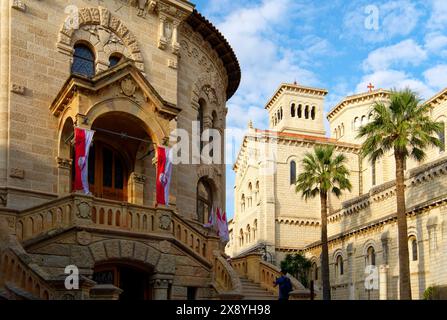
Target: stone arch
[(212, 176), (131, 251), (125, 105), (104, 31)]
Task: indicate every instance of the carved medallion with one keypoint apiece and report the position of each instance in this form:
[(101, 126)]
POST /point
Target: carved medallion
[(128, 87), (165, 246), (84, 238), (84, 211), (165, 221)]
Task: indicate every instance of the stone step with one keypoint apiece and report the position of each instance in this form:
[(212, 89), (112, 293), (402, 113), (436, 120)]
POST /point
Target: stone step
[(254, 291)]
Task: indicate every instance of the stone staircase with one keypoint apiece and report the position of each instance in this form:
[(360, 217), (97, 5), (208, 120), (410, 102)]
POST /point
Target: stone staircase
[(254, 291)]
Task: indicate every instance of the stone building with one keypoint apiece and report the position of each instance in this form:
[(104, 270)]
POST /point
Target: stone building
[(362, 228), (133, 71)]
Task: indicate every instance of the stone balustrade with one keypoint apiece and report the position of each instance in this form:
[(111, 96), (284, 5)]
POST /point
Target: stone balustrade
[(259, 271), (226, 279)]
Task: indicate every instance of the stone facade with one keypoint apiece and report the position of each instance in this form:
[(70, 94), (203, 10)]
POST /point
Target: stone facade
[(279, 221), (170, 63)]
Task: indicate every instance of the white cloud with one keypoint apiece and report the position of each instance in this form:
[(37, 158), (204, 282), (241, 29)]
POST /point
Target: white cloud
[(438, 19), (407, 52), (436, 77), (436, 43), (393, 79), (396, 19)]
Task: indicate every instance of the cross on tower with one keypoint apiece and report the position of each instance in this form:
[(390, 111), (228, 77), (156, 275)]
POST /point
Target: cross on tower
[(370, 87)]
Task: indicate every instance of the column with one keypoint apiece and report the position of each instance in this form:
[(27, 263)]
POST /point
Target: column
[(160, 284), (175, 44), (64, 175), (383, 282), (161, 33)]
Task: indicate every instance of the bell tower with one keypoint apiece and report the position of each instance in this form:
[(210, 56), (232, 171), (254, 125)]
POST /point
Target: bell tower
[(297, 109)]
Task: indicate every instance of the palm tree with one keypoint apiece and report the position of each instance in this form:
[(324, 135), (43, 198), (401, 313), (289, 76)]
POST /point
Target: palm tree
[(323, 173), (405, 128)]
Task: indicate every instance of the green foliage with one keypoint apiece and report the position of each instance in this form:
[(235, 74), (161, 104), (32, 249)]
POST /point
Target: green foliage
[(404, 127), (429, 293), (298, 266), (323, 171)]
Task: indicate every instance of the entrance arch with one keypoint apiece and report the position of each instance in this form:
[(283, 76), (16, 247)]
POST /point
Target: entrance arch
[(134, 279)]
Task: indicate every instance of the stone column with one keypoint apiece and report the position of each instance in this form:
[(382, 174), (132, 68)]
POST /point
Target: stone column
[(175, 44), (383, 282), (136, 188), (160, 286), (161, 33), (64, 176)]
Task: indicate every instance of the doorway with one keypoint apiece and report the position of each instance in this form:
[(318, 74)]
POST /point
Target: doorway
[(134, 282)]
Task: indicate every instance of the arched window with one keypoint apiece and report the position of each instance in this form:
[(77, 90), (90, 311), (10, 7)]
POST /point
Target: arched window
[(339, 265), (363, 120), (292, 110), (241, 237), (300, 111), (336, 133), (371, 256), (255, 228), (250, 191), (441, 136), (373, 172), (83, 61), (356, 123), (243, 203), (200, 119), (204, 200), (281, 113), (115, 59), (413, 243), (314, 269), (313, 113), (306, 112), (257, 193), (248, 234), (342, 130), (292, 172)]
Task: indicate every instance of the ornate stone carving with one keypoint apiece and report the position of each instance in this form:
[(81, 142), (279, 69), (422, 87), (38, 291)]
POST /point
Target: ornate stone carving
[(19, 5), (18, 89), (17, 173), (211, 94), (64, 163), (84, 210), (106, 28), (139, 178), (128, 87), (3, 198), (84, 238), (165, 246), (165, 221)]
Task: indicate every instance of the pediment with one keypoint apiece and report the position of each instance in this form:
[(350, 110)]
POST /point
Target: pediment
[(124, 80)]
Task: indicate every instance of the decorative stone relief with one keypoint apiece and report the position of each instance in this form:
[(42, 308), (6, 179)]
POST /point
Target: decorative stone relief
[(105, 31), (165, 246), (84, 210), (139, 178), (128, 87), (165, 221), (3, 198), (18, 89), (17, 173), (84, 238), (19, 5), (64, 163)]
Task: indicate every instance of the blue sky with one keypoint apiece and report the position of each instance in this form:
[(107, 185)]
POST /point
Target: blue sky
[(331, 44)]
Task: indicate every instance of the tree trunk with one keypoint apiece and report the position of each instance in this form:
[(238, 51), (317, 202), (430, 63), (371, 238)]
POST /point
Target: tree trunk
[(404, 260), (324, 249)]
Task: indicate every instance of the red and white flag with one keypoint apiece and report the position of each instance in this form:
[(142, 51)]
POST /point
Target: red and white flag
[(164, 171), (83, 140), (222, 226)]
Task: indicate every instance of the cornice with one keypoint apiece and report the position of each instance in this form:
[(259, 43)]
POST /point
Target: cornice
[(295, 89)]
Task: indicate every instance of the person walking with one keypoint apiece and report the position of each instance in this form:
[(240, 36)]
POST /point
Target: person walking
[(285, 285)]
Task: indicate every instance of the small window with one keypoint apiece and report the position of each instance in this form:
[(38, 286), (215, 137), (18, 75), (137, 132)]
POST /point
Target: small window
[(292, 110), (292, 172), (306, 112), (371, 256), (312, 113), (83, 61), (191, 293), (441, 136), (414, 248), (373, 172), (339, 264), (300, 111), (114, 60)]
